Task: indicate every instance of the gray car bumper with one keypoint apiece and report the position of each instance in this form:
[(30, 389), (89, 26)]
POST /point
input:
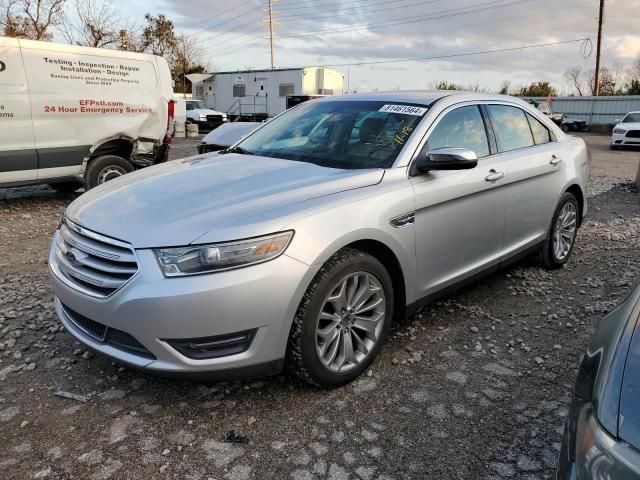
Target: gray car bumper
[(152, 309)]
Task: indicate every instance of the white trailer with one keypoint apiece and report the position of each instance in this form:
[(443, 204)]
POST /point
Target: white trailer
[(258, 94)]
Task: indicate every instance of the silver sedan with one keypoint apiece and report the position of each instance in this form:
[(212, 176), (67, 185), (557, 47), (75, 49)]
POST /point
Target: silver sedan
[(299, 245)]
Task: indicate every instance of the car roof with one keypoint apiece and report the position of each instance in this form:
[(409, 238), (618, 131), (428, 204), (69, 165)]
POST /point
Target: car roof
[(421, 97)]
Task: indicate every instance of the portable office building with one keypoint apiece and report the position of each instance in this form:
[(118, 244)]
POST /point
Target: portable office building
[(259, 94)]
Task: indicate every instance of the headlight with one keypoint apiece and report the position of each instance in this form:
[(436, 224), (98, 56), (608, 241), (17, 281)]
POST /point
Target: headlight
[(619, 131), (598, 455), (203, 116), (196, 259)]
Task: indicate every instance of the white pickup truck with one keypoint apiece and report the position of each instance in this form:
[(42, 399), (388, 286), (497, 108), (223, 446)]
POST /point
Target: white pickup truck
[(71, 115)]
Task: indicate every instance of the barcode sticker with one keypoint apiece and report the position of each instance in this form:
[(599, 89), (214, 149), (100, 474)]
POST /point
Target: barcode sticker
[(404, 109)]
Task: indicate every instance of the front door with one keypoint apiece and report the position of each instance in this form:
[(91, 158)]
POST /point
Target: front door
[(460, 215), (18, 158)]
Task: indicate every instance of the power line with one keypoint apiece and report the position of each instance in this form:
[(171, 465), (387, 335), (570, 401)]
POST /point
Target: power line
[(217, 15), (238, 27), (474, 24), (485, 6), (377, 10), (453, 55), (420, 18)]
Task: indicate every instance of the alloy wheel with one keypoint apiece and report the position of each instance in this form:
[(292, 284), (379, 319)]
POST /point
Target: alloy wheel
[(350, 322), (564, 232)]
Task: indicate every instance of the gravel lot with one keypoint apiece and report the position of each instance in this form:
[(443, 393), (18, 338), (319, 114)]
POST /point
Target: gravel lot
[(474, 387)]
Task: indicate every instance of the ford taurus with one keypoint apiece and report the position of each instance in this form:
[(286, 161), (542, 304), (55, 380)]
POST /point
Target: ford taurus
[(299, 245)]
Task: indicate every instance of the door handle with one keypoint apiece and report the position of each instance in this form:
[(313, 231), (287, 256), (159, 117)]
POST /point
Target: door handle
[(494, 176), (555, 160)]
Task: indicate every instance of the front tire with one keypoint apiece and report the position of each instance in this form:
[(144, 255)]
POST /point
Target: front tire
[(105, 168), (342, 321), (558, 245)]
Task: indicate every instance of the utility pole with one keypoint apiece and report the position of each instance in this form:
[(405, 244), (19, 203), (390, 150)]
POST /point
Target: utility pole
[(124, 40), (273, 63), (596, 84)]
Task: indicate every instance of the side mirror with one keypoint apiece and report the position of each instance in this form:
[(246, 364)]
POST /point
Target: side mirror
[(446, 159), (617, 120)]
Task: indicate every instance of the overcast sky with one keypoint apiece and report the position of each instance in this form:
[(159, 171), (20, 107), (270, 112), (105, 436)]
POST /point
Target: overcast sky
[(350, 31)]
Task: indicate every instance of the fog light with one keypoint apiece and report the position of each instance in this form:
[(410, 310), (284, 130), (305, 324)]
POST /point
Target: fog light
[(214, 347)]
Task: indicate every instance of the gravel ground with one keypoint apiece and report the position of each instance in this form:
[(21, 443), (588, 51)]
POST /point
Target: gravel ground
[(475, 386)]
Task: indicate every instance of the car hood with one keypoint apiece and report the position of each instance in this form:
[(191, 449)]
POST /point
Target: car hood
[(206, 111), (230, 133), (174, 203), (629, 422)]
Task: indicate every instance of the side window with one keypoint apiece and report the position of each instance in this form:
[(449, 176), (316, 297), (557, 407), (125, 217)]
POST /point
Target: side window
[(462, 127), (189, 106), (239, 91), (541, 133), (285, 89), (511, 127)]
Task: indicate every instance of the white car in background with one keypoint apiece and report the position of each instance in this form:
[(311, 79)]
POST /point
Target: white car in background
[(206, 118), (627, 131)]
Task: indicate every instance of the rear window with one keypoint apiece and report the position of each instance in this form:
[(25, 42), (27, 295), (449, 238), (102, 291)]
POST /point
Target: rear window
[(541, 133), (511, 127)]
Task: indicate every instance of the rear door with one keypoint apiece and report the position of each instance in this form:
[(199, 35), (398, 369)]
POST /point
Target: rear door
[(536, 174), (18, 158)]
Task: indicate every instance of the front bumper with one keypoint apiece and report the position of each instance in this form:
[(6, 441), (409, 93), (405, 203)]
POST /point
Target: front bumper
[(598, 454), (153, 309), (209, 124), (621, 140)]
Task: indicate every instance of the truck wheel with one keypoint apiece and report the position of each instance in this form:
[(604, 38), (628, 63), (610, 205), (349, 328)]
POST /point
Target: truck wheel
[(561, 237), (342, 321), (565, 127), (105, 168)]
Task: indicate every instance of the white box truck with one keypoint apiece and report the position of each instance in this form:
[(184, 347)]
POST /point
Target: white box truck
[(71, 115)]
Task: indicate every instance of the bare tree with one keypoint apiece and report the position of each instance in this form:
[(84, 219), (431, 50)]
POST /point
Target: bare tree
[(505, 87), (575, 78), (93, 23), (187, 58), (635, 69), (31, 18)]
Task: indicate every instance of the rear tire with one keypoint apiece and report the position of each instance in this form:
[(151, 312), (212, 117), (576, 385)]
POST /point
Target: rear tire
[(334, 336), (558, 245), (105, 168)]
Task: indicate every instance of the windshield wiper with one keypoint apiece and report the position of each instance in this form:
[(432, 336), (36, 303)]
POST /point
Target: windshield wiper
[(239, 150)]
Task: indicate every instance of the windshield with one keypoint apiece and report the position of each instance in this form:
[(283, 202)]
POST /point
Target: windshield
[(338, 134), (194, 105), (632, 118)]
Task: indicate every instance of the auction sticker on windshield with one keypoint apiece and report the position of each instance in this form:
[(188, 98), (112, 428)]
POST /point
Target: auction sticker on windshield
[(404, 109)]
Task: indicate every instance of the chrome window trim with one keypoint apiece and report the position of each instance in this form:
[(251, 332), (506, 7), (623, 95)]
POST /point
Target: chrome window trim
[(477, 103)]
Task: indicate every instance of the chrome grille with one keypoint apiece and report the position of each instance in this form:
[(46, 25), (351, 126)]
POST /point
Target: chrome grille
[(93, 263)]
